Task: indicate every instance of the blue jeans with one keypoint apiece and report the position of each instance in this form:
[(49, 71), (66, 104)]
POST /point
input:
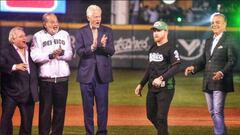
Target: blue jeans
[(215, 102)]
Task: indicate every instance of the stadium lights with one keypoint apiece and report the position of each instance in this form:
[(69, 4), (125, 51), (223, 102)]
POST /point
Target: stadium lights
[(169, 1), (179, 19)]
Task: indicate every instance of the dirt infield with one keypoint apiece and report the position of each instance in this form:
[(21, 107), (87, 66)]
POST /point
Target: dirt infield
[(136, 116)]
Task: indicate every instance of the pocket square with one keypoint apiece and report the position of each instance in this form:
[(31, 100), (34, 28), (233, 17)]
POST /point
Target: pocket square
[(220, 47)]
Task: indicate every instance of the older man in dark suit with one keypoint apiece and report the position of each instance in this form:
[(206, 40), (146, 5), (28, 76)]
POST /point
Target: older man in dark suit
[(95, 48), (217, 61), (19, 83)]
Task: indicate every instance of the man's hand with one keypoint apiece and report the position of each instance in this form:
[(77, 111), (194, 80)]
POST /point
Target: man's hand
[(138, 90), (157, 81), (217, 75), (104, 40), (94, 45), (56, 53), (188, 70), (21, 67)]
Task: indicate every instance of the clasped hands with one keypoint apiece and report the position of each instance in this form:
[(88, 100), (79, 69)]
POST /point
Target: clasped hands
[(56, 53), (103, 42)]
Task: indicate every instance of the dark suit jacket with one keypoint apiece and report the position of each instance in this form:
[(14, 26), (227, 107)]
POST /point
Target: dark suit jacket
[(100, 59), (223, 59), (17, 84)]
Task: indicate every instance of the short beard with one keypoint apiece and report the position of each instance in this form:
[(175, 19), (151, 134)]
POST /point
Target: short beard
[(52, 32)]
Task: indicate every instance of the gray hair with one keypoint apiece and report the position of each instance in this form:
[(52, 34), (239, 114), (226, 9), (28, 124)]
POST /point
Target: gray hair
[(91, 9), (44, 17), (12, 33), (218, 14)]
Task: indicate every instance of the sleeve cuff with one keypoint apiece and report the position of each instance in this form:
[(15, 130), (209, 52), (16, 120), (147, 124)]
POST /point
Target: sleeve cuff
[(221, 73), (50, 56), (14, 67)]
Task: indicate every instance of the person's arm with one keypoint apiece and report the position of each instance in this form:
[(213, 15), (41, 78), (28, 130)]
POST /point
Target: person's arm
[(175, 62), (37, 55), (7, 67), (231, 56), (199, 64), (171, 71), (4, 67), (138, 89), (67, 52), (81, 48), (106, 48), (145, 78), (231, 60)]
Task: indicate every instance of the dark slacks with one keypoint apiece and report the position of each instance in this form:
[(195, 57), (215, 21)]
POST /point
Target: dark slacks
[(26, 111), (99, 91), (53, 97), (158, 104)]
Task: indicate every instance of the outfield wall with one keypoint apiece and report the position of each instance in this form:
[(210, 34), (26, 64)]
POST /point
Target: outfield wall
[(133, 41)]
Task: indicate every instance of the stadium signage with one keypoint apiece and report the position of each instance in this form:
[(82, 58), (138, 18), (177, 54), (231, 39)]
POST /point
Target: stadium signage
[(191, 49)]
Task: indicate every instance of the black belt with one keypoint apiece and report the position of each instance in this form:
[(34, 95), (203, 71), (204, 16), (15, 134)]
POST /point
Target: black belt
[(55, 80)]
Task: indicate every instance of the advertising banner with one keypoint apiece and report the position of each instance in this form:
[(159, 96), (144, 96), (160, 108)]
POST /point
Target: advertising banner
[(132, 45), (33, 6)]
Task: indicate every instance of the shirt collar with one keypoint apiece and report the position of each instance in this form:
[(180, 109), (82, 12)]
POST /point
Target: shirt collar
[(218, 37), (16, 48), (92, 27)]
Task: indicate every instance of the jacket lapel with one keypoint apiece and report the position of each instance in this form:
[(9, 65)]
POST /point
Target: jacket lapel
[(15, 54), (208, 49), (89, 33), (100, 34), (221, 40)]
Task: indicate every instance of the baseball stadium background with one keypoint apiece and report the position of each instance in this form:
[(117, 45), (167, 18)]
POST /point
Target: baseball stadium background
[(132, 38)]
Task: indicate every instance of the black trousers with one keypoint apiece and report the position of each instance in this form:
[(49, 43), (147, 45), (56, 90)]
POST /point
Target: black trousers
[(158, 104), (26, 111), (53, 97)]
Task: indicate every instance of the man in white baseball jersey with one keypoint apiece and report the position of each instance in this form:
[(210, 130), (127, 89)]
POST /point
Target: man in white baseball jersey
[(51, 49)]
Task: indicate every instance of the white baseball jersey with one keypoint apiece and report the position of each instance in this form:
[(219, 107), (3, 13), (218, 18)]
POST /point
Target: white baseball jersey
[(43, 45)]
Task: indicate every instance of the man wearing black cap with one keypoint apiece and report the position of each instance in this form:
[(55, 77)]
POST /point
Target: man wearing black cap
[(164, 62)]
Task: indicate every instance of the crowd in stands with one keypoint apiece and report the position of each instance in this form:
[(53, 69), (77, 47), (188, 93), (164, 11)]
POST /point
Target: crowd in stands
[(144, 14)]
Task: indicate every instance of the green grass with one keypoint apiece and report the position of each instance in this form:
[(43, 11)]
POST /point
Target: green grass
[(144, 130), (121, 92), (188, 93)]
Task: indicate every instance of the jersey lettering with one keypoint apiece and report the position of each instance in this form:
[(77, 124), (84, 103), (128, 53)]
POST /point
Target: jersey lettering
[(55, 41), (155, 57), (176, 55)]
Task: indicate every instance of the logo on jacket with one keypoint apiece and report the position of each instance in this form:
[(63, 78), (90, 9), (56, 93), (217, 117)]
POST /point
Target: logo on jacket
[(55, 41)]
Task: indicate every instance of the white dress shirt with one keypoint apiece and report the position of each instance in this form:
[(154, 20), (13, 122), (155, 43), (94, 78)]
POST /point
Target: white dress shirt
[(215, 41), (23, 57)]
